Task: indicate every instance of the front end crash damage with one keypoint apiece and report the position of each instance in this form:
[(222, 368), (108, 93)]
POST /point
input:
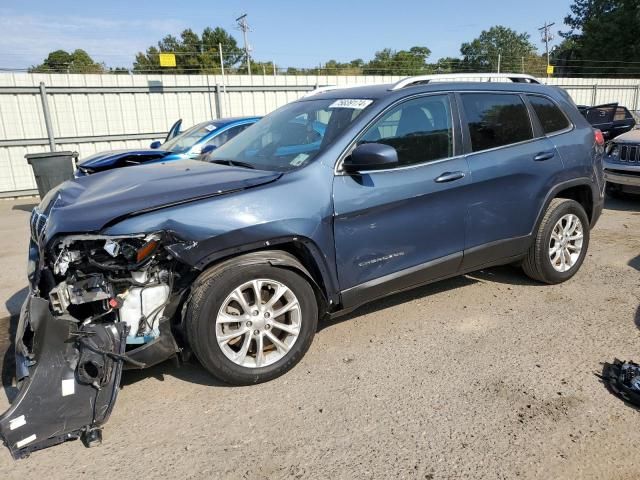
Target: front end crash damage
[(98, 304)]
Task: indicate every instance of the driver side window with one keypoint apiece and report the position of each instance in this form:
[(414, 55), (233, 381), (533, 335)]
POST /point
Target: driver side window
[(419, 129)]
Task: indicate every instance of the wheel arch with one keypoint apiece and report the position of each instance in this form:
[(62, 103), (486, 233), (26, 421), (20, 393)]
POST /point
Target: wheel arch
[(294, 253), (579, 189)]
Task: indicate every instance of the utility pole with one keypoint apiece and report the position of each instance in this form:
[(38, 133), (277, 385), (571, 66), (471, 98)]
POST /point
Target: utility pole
[(244, 27), (224, 80), (547, 36), (499, 61)]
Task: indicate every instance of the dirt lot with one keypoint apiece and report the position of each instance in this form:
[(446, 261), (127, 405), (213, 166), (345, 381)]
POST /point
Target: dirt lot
[(484, 376)]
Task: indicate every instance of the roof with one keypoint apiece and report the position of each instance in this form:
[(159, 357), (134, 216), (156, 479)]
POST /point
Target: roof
[(466, 77), (375, 92)]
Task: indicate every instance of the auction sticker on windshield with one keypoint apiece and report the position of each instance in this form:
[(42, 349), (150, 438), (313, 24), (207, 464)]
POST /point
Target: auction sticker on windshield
[(355, 103)]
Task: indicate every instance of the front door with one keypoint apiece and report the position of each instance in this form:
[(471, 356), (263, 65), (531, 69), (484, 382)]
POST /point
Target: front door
[(403, 226)]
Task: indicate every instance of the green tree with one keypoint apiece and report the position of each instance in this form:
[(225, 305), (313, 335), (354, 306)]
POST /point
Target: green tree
[(602, 38), (257, 68), (403, 62), (194, 53), (333, 67), (449, 65), (61, 61), (481, 54)]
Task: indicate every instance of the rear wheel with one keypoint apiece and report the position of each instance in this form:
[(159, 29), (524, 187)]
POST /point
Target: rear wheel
[(249, 324), (561, 243)]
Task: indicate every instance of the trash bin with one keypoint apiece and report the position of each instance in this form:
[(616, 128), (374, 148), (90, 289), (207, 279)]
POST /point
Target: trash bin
[(51, 168)]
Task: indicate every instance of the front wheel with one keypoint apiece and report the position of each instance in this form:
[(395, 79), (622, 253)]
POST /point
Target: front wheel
[(250, 324), (560, 244)]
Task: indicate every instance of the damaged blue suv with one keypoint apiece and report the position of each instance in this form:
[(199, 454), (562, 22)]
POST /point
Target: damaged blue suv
[(329, 202)]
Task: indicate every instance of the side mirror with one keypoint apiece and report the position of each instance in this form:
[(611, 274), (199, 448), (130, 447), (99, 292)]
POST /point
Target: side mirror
[(370, 156), (208, 149), (155, 144)]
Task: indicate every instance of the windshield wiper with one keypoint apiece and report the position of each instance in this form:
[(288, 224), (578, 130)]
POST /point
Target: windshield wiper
[(233, 163)]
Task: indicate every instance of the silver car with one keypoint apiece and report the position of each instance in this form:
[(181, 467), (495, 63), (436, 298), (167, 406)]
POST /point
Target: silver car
[(622, 164)]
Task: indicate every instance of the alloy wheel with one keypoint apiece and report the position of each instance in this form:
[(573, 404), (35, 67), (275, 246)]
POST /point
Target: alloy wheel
[(565, 243), (258, 323)]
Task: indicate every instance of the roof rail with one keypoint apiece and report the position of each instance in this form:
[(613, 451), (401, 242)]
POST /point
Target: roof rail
[(467, 77)]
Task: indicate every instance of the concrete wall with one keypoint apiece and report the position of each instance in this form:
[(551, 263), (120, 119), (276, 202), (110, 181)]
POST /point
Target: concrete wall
[(91, 113)]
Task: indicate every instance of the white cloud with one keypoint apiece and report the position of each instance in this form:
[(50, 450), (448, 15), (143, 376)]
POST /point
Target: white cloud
[(27, 39)]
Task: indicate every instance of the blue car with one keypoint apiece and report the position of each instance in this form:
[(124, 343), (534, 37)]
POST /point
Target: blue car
[(190, 144), (329, 202)]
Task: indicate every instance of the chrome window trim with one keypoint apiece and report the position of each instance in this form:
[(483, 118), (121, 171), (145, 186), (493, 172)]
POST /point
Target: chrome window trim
[(523, 142), (338, 165), (407, 167), (337, 169)]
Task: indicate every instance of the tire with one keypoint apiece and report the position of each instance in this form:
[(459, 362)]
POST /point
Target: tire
[(213, 291), (538, 263)]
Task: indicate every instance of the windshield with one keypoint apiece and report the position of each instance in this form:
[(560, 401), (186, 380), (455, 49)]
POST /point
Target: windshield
[(188, 138), (292, 136)]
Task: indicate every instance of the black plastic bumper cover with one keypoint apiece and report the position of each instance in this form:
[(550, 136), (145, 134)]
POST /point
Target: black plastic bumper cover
[(73, 379)]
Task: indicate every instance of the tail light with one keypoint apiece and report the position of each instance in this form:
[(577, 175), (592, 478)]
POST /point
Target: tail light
[(599, 138)]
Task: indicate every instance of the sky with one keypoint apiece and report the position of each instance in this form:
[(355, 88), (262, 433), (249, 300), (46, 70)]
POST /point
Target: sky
[(287, 32)]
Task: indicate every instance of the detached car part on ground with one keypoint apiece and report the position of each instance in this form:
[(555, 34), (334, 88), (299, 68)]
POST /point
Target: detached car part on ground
[(623, 380), (190, 144), (329, 202)]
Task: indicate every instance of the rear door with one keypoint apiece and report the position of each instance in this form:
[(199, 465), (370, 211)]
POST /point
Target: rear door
[(513, 166), (403, 226)]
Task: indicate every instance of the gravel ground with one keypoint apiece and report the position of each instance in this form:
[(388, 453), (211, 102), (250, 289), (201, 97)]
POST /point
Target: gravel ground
[(483, 376)]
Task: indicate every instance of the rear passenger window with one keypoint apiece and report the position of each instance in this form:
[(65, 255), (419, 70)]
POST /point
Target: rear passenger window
[(496, 120), (551, 117), (419, 129)]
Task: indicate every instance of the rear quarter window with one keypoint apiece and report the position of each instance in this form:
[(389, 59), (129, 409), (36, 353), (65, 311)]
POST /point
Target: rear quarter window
[(551, 117), (496, 120)]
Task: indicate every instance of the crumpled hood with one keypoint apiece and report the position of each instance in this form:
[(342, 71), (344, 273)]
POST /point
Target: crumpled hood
[(87, 204), (632, 136), (102, 160)]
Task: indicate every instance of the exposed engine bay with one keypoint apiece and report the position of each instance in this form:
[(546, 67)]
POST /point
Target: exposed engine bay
[(99, 304), (122, 280)]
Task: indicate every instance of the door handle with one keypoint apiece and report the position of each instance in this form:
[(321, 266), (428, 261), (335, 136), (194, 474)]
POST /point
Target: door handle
[(449, 177), (543, 156)]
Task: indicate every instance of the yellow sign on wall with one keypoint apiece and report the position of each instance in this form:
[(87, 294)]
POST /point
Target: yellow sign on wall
[(549, 69), (167, 60)]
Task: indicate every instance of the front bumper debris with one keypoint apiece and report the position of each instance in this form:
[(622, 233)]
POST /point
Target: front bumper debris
[(71, 376), (623, 380)]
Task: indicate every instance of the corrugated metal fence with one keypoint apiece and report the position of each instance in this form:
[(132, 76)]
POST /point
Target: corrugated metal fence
[(91, 113)]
